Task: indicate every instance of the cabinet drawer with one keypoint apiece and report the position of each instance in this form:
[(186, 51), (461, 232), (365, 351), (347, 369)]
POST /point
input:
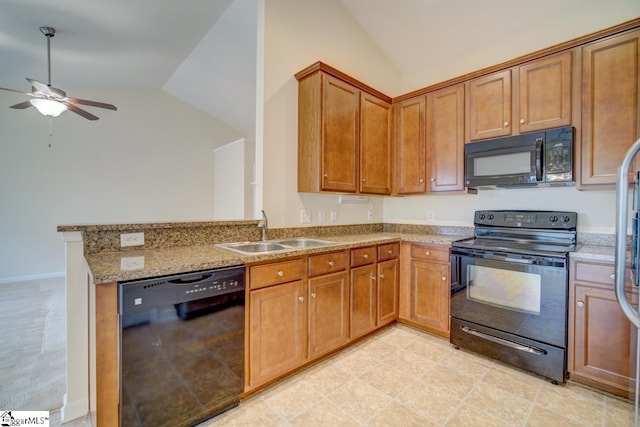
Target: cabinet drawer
[(388, 251), (363, 256), (432, 253), (593, 272), (272, 274), (328, 263)]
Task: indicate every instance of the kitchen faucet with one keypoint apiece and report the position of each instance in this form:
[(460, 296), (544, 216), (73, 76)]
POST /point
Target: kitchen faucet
[(264, 225)]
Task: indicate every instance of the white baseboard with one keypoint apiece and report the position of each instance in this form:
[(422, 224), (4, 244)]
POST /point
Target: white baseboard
[(73, 410), (33, 277)]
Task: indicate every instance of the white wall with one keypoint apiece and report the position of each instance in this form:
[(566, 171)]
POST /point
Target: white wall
[(298, 34), (149, 161), (233, 179)]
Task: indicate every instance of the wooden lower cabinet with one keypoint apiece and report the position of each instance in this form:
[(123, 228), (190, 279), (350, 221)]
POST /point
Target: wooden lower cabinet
[(278, 331), (363, 300), (388, 295), (602, 341), (425, 288), (328, 313)]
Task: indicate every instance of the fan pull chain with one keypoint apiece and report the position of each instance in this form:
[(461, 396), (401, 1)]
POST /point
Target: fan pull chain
[(50, 130)]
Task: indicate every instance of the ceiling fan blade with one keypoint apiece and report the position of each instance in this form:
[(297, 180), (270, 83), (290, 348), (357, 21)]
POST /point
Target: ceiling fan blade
[(42, 87), (14, 90), (80, 111), (92, 103), (22, 105)]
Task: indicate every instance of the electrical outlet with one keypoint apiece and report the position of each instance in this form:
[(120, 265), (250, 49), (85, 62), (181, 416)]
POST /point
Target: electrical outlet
[(334, 216), (305, 216), (132, 239), (322, 216), (370, 215), (430, 216), (128, 263)]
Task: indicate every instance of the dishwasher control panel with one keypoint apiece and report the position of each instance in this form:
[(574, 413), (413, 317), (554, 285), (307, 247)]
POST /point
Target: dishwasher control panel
[(144, 294)]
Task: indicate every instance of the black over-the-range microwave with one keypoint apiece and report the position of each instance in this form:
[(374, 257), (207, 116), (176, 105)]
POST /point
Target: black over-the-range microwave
[(537, 159)]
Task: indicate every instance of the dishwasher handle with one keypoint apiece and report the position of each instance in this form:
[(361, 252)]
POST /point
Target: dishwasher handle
[(190, 281)]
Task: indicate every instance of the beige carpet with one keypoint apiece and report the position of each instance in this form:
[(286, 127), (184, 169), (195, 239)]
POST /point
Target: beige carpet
[(32, 352)]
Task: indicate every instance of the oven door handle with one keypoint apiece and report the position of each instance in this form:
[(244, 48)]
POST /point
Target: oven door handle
[(512, 259), (515, 345)]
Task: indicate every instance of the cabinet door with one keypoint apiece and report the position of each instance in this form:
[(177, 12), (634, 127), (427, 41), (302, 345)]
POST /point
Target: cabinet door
[(445, 139), (340, 135), (430, 292), (490, 106), (387, 291), (410, 146), (545, 93), (604, 341), (610, 106), (363, 300), (278, 331), (328, 313), (375, 145)]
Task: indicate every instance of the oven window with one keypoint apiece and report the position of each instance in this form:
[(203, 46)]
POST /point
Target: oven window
[(510, 289), (504, 164)]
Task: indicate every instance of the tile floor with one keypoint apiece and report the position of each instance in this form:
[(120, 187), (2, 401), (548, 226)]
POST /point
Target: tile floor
[(404, 377)]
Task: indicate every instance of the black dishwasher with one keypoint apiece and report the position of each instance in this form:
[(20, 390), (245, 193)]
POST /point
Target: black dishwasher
[(181, 347)]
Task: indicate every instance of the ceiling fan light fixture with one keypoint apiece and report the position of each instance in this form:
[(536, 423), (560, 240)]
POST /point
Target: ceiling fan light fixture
[(49, 107)]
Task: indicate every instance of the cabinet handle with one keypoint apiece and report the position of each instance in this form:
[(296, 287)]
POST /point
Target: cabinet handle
[(389, 251), (363, 180), (427, 253), (522, 121), (326, 175), (382, 276), (331, 263), (421, 180), (506, 124), (365, 256), (580, 304), (444, 278), (313, 294), (433, 180), (612, 276), (301, 299), (280, 273), (373, 277)]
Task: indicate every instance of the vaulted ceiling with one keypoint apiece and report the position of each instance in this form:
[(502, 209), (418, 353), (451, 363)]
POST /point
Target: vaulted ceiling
[(154, 44)]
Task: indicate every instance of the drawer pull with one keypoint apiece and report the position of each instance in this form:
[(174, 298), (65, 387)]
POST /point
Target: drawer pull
[(580, 304), (280, 273), (331, 263), (365, 256), (313, 294), (427, 253), (301, 299), (389, 251), (612, 276)]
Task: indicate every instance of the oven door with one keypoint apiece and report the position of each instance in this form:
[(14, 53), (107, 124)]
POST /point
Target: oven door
[(522, 295)]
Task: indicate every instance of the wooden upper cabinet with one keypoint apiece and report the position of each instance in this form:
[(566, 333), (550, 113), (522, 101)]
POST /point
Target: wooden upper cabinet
[(375, 145), (545, 93), (344, 138), (410, 146), (490, 106), (340, 132), (610, 106), (445, 139)]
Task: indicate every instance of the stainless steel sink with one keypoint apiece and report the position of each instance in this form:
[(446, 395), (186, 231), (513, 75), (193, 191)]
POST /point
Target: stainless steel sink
[(248, 248), (301, 242)]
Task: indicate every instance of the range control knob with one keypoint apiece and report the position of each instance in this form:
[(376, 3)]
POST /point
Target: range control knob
[(553, 218), (490, 217), (565, 218), (482, 216)]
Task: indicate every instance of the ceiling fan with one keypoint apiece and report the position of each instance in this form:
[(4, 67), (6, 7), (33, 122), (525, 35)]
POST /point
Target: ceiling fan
[(51, 101)]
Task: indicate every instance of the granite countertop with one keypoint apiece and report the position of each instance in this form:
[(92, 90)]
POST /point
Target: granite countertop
[(119, 266), (595, 252)]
